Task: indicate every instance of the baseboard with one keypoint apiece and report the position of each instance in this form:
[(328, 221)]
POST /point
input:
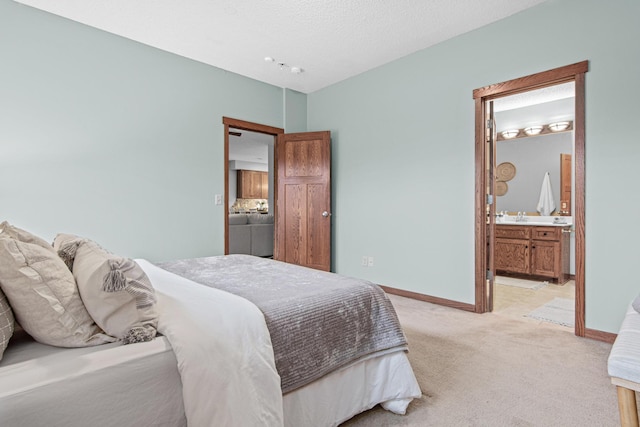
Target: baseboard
[(593, 334), (427, 298), (597, 335)]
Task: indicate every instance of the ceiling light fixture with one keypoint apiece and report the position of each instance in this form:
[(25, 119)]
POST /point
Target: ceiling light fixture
[(533, 130), (511, 133), (284, 65), (558, 127)]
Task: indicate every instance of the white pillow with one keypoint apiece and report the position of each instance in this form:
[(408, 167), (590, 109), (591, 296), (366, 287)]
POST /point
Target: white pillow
[(7, 323), (44, 296), (116, 291)]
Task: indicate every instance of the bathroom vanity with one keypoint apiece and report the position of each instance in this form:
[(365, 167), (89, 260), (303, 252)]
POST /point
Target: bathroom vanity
[(535, 250)]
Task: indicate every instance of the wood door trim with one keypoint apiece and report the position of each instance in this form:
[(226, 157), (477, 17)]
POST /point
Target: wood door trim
[(480, 203), (574, 72), (579, 212), (244, 125), (255, 127), (534, 81)]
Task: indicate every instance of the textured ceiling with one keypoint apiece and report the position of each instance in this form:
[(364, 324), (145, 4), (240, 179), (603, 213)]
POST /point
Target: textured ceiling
[(330, 40)]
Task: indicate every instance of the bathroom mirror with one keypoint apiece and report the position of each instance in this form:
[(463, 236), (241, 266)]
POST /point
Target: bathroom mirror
[(533, 156)]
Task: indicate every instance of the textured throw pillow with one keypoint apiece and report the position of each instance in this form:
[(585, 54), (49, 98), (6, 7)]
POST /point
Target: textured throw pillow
[(23, 235), (65, 246), (7, 323), (116, 291), (44, 296)]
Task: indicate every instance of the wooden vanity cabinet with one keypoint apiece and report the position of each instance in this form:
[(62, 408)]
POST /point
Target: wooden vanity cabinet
[(533, 250), (512, 252), (253, 185)]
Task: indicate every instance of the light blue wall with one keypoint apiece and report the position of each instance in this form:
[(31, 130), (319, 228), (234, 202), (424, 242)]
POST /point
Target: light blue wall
[(295, 111), (110, 139), (113, 140), (403, 151)]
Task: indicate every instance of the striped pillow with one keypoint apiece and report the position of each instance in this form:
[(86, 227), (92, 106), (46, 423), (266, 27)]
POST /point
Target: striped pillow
[(117, 293)]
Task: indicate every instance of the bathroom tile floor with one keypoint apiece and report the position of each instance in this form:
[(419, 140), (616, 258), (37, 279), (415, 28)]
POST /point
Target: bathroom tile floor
[(517, 302)]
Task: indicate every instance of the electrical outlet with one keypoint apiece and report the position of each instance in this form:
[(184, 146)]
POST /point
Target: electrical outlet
[(370, 262), (365, 260)]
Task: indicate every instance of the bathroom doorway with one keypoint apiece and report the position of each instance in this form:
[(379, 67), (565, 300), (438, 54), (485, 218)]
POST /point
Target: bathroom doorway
[(486, 179), (534, 246)]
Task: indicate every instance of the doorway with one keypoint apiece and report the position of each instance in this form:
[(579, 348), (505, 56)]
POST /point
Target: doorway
[(299, 195), (259, 141), (485, 143), (534, 264)]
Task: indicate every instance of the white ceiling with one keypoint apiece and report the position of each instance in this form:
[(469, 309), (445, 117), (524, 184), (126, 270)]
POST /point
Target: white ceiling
[(250, 146), (536, 107), (330, 40)]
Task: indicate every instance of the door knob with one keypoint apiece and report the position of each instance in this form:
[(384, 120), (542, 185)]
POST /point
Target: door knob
[(326, 214)]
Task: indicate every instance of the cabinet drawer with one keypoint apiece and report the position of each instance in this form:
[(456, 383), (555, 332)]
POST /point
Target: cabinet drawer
[(546, 233), (513, 231)]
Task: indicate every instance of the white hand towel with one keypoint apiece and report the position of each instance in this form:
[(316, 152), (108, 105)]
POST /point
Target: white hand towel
[(546, 205)]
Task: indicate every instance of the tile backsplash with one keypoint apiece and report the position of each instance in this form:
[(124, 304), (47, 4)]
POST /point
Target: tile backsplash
[(245, 205)]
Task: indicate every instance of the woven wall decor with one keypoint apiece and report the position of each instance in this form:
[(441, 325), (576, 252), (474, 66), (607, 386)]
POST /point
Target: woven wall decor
[(505, 171), (501, 188)]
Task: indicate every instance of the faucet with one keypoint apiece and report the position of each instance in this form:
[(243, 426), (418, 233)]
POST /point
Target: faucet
[(521, 217)]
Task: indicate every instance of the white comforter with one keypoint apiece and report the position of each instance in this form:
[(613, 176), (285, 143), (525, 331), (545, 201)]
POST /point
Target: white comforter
[(224, 353)]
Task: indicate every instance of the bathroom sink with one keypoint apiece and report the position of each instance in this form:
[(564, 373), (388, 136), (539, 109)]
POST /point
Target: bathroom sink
[(552, 221)]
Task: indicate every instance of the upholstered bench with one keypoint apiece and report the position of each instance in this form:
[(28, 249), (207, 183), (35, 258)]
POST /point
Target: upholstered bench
[(624, 366)]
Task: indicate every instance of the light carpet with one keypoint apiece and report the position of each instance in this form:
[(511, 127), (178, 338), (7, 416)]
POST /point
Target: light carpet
[(560, 311), (520, 283), (481, 370)]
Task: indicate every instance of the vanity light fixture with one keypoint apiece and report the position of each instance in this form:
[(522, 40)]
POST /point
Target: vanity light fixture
[(510, 133), (558, 126), (533, 130)]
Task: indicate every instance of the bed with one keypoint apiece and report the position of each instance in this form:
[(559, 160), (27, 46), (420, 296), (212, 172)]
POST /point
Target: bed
[(236, 345)]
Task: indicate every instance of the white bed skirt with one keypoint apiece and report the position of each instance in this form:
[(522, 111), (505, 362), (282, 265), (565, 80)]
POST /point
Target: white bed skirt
[(387, 379)]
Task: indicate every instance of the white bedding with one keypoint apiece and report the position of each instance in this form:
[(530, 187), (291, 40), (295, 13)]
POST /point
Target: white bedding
[(107, 385), (224, 353), (138, 384)]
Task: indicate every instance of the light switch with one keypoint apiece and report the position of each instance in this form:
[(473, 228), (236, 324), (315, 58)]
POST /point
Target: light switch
[(218, 199)]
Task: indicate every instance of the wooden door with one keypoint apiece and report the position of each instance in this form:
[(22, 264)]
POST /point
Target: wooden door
[(490, 207), (303, 199)]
